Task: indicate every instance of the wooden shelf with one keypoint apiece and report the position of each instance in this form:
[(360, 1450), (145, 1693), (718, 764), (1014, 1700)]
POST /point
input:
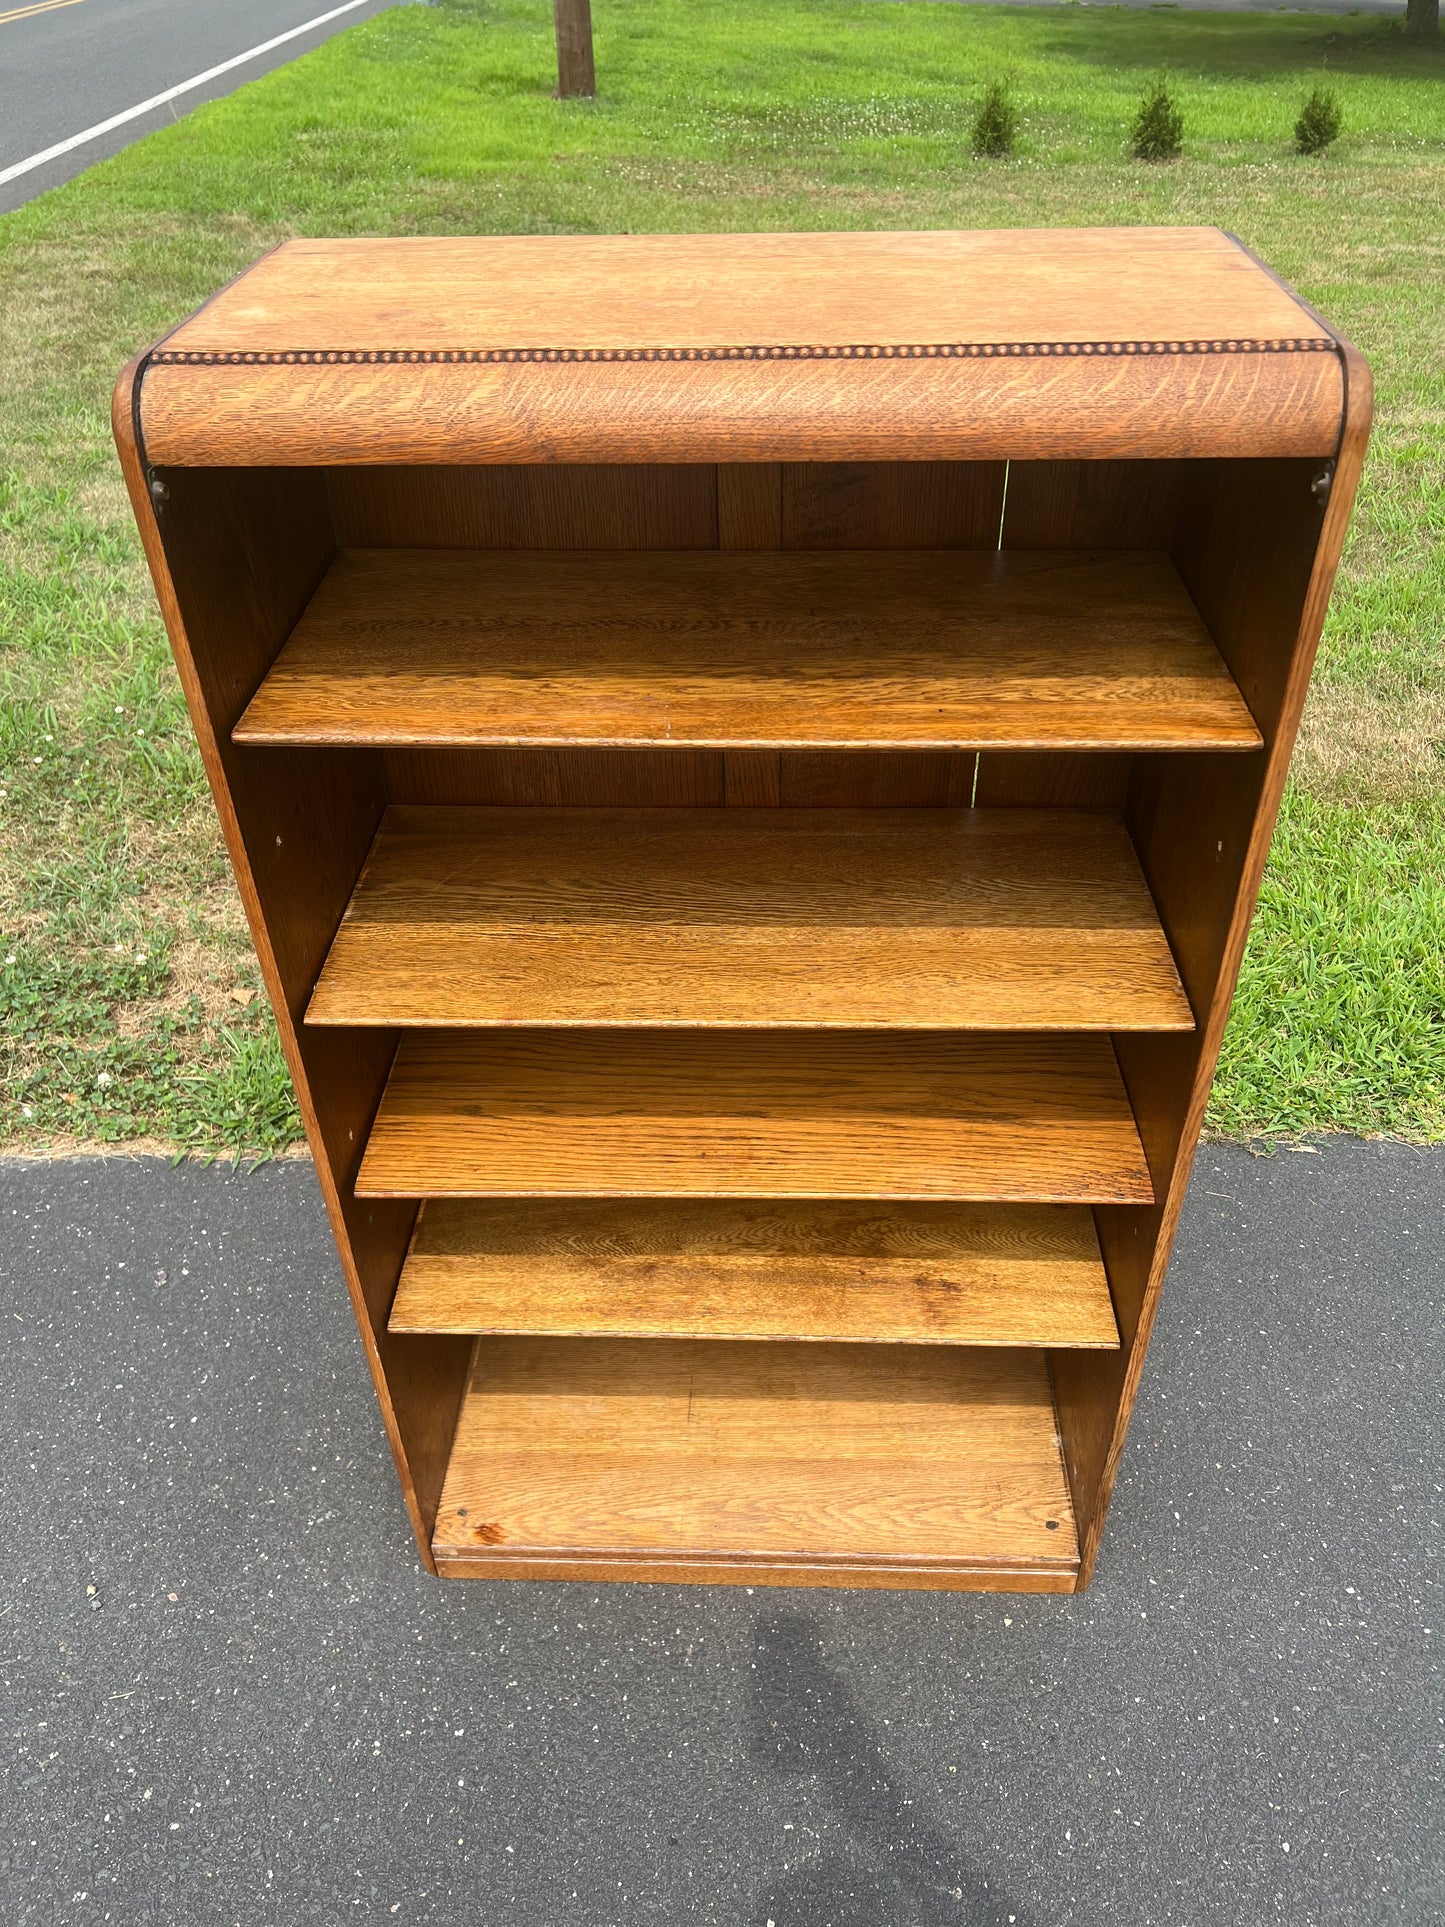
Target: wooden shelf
[(657, 1458), (943, 1274), (856, 1114), (754, 1145), (986, 919), (889, 649)]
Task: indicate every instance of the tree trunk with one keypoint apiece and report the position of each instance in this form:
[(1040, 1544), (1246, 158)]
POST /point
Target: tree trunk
[(1422, 18), (575, 73)]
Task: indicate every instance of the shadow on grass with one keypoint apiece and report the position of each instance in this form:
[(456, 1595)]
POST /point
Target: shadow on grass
[(1223, 46)]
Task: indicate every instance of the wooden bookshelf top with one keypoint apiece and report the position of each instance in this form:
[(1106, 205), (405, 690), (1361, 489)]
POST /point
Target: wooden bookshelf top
[(850, 649), (691, 291), (527, 348)]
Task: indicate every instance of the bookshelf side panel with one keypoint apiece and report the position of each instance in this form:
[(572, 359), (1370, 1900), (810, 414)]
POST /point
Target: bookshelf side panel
[(1257, 549), (235, 555)]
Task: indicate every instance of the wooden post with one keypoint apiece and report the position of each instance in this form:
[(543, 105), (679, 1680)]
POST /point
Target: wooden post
[(575, 72)]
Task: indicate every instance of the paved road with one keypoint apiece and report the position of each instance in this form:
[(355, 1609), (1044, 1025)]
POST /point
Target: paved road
[(265, 1713), (66, 65)]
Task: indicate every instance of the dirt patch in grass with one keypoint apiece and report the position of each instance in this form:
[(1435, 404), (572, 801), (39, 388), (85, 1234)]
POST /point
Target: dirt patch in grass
[(61, 1146), (1360, 747)]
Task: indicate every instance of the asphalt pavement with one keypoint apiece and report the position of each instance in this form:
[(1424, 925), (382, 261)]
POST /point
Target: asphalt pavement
[(69, 65), (230, 1694)]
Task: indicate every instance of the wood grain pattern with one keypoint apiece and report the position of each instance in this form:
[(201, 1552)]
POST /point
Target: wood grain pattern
[(891, 505), (752, 779), (1262, 557), (869, 650), (954, 1274), (1129, 407), (635, 1569), (857, 1114), (829, 343), (749, 506), (940, 1457), (828, 779), (769, 458), (1064, 506), (679, 779), (237, 558), (1052, 780), (1090, 505), (1147, 407), (593, 505), (983, 920), (696, 291)]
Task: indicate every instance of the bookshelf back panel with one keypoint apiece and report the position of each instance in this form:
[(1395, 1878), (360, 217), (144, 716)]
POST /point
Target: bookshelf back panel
[(763, 505)]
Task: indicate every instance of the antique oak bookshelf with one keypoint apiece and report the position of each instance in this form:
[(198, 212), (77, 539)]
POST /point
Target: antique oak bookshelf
[(749, 760)]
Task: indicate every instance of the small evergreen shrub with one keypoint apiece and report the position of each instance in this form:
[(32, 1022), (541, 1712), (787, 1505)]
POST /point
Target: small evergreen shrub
[(995, 123), (1158, 130), (1319, 124)]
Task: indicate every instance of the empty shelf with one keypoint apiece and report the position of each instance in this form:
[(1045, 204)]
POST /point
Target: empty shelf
[(884, 650), (946, 1274), (851, 1114), (794, 1464), (976, 919)]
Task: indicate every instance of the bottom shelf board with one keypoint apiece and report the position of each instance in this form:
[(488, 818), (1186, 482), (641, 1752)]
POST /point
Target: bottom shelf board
[(840, 1270), (761, 1464)]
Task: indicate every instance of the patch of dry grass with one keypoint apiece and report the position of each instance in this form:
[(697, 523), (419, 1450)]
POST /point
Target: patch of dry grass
[(1359, 747)]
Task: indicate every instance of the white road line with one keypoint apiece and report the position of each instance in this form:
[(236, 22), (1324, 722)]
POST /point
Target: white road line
[(172, 93)]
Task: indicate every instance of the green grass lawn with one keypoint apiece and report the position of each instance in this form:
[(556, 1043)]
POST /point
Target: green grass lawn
[(127, 988)]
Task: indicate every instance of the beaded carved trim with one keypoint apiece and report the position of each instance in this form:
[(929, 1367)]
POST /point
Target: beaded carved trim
[(935, 351)]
